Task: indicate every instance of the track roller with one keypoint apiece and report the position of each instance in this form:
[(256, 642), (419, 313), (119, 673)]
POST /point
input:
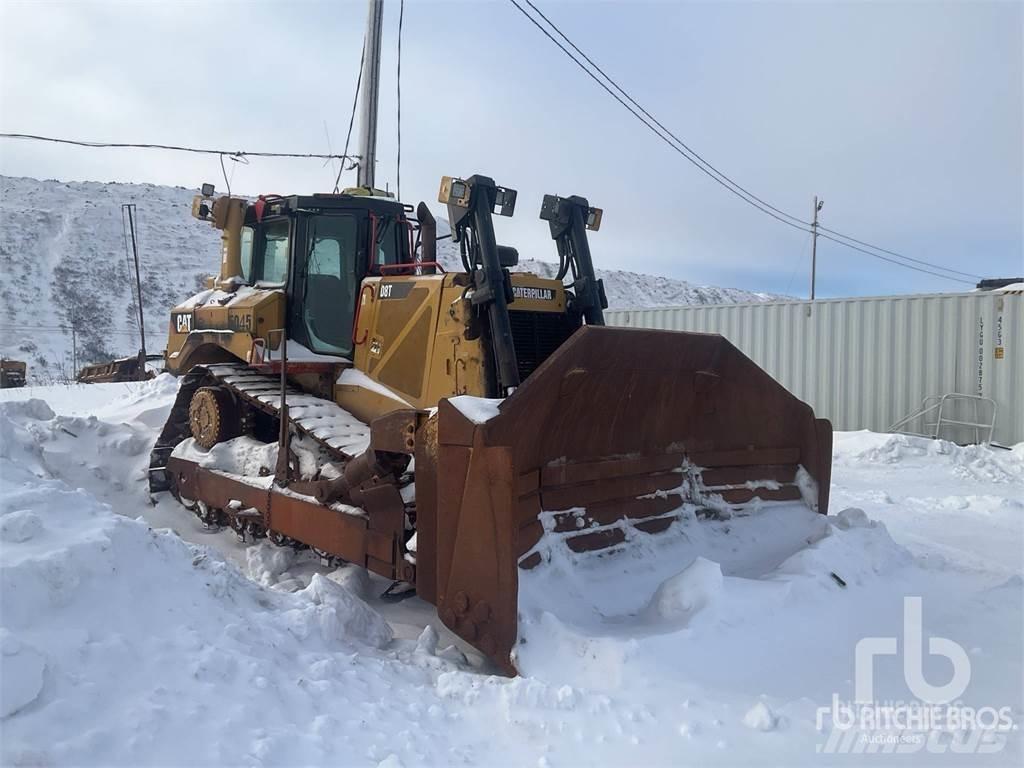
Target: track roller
[(280, 540), (326, 558), (211, 517)]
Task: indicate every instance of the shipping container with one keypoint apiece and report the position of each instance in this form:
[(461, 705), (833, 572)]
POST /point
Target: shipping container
[(869, 363)]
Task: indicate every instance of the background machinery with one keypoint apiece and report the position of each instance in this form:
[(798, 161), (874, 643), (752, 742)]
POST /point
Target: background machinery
[(340, 390), (114, 371), (12, 373)]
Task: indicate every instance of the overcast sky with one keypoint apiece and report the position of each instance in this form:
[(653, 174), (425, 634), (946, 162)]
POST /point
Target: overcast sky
[(906, 118)]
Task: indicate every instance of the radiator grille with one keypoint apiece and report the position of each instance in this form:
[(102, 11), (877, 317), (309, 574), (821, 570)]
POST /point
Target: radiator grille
[(536, 335)]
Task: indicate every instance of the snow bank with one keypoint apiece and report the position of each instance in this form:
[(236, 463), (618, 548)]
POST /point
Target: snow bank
[(947, 503), (968, 462), (712, 643), (761, 718), (680, 597), (337, 612), (107, 623), (22, 679), (606, 618), (758, 616)]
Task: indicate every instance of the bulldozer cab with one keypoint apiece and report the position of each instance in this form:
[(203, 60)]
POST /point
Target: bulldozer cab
[(318, 250)]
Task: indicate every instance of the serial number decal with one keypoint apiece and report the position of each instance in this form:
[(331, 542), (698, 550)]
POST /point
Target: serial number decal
[(539, 294), (183, 323), (240, 322), (394, 290)]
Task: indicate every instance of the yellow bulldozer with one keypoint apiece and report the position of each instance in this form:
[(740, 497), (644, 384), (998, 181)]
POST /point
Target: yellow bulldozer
[(340, 390)]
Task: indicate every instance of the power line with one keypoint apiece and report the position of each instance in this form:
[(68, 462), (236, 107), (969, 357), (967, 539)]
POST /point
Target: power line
[(800, 260), (174, 148), (711, 170), (352, 118), (892, 253), (327, 134), (893, 261), (650, 125), (677, 144)]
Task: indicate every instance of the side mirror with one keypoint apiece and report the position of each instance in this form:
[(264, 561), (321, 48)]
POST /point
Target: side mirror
[(200, 208)]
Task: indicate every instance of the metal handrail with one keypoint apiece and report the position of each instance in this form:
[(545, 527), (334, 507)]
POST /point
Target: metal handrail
[(281, 471), (936, 404)]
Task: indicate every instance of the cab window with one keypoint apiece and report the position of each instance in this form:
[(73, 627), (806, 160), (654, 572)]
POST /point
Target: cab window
[(246, 243), (330, 293), (388, 250), (271, 262)]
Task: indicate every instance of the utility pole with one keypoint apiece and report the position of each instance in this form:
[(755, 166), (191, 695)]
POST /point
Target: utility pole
[(130, 208), (368, 95), (74, 344), (814, 242)]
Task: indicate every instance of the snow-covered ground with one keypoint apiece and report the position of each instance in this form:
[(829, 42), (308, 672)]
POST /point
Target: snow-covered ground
[(129, 636), (64, 261)]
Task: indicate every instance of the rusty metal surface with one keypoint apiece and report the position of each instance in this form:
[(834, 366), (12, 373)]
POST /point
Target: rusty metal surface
[(477, 582), (372, 541), (426, 510), (617, 425), (395, 432)]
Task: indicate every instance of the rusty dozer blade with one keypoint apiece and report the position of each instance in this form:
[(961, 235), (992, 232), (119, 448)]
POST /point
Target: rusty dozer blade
[(620, 431)]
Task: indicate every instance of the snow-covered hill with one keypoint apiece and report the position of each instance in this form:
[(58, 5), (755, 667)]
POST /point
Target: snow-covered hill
[(64, 263), (624, 289)]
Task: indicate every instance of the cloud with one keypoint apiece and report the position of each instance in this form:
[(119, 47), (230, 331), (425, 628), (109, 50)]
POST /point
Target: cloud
[(905, 118)]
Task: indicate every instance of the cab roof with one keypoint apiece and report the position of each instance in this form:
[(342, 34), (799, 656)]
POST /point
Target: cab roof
[(284, 205)]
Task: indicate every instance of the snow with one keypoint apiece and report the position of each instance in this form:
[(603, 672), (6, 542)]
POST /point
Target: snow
[(22, 679), (63, 255), (477, 409), (72, 399), (300, 353), (353, 377), (219, 298), (679, 598), (64, 262), (240, 456), (760, 718), (131, 636)]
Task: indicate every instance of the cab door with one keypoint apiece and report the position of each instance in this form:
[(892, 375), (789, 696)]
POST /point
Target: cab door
[(329, 282)]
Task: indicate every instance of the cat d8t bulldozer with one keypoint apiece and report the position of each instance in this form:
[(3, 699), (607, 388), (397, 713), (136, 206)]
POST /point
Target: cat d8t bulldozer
[(340, 390)]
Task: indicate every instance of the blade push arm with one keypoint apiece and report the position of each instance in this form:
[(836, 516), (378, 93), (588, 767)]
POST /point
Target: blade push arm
[(569, 219), (470, 205)]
